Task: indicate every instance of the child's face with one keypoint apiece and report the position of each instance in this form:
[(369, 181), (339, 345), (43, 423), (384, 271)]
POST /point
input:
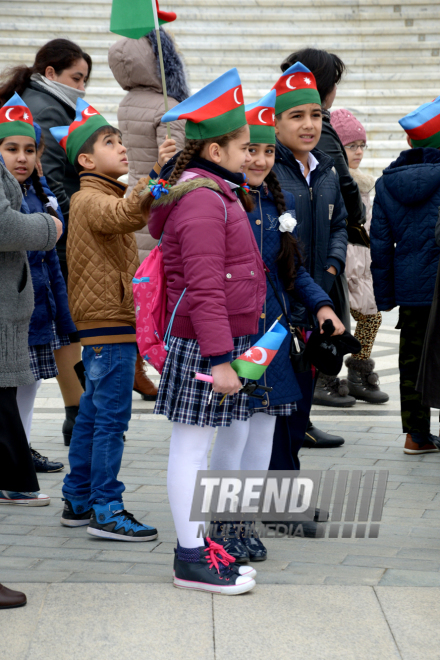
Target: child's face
[(299, 128), (109, 156), (234, 156), (355, 153), (261, 162), (20, 155)]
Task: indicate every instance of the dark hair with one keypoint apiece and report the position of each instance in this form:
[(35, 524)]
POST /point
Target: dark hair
[(193, 148), (89, 145), (59, 53), (327, 68), (289, 257), (42, 195)]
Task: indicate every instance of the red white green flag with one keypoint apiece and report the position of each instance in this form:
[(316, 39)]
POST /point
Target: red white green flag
[(253, 363)]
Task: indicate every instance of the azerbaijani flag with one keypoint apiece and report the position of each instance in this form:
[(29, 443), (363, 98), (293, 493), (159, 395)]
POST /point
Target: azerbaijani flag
[(423, 125), (253, 363), (135, 18)]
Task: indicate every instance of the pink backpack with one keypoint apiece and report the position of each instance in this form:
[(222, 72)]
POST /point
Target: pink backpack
[(150, 304)]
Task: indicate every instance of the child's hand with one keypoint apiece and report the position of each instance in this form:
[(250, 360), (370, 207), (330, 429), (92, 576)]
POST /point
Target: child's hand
[(59, 226), (166, 151), (39, 167), (325, 313), (226, 380)]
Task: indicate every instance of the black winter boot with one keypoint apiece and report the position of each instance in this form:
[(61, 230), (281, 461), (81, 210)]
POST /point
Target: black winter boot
[(69, 423), (363, 382), (331, 391)]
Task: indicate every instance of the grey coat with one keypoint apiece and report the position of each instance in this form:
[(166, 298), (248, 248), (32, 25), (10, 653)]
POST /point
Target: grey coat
[(18, 233)]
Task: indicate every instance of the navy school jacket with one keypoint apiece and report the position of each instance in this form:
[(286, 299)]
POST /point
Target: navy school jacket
[(265, 225), (50, 293)]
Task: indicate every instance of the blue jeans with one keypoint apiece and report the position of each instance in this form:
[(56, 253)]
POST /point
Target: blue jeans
[(97, 443)]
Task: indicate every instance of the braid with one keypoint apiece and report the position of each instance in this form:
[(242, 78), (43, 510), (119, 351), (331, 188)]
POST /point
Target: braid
[(42, 195), (289, 256), (191, 148)]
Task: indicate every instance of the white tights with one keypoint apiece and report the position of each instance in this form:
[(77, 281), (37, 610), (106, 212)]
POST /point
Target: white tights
[(244, 445), (26, 395), (241, 446)]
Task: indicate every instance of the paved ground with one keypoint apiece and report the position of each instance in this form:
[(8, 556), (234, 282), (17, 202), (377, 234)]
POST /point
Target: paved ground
[(332, 598)]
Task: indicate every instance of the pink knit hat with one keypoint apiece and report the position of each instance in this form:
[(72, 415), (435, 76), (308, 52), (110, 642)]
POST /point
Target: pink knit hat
[(347, 127)]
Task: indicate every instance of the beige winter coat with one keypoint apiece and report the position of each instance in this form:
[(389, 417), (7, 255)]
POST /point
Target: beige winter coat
[(134, 66), (357, 268)]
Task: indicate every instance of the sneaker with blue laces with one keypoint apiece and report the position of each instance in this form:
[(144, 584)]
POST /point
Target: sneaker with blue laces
[(23, 499), (110, 521)]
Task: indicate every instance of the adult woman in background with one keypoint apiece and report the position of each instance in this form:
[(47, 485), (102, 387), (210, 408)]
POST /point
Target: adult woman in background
[(135, 65), (50, 88)]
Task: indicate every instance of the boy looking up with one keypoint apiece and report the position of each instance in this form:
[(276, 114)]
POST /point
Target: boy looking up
[(405, 258), (307, 173), (102, 260)]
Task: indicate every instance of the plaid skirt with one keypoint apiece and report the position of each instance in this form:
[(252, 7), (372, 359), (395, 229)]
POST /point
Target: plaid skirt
[(42, 359), (183, 399)]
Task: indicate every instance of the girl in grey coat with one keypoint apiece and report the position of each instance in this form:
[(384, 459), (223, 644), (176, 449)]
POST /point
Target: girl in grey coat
[(18, 233)]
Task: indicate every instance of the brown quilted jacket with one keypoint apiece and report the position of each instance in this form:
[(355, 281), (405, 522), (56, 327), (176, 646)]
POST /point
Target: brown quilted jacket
[(102, 259)]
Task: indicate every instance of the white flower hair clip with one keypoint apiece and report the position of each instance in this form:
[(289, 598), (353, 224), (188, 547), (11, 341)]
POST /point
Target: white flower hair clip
[(52, 203), (287, 222)]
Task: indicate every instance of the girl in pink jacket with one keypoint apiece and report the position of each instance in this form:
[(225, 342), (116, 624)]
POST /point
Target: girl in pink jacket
[(216, 289)]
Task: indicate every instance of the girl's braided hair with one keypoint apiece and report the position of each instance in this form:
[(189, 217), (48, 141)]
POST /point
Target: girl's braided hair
[(289, 257), (41, 194), (194, 148)]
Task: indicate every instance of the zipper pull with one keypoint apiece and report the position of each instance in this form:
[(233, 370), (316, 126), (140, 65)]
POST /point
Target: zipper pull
[(311, 193)]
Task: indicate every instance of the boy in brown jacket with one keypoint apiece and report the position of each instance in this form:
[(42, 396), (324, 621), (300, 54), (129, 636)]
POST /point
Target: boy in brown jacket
[(102, 260)]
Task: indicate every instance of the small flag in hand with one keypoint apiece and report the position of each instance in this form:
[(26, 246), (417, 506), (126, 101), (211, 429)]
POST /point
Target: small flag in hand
[(135, 18), (253, 363)]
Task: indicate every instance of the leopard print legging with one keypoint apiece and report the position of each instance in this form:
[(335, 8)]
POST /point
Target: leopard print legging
[(367, 327)]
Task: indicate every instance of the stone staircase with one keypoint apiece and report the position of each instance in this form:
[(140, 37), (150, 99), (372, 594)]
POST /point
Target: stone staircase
[(392, 51)]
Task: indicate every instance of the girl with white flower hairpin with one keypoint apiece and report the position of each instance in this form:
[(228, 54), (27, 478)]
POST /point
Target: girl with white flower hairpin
[(273, 222)]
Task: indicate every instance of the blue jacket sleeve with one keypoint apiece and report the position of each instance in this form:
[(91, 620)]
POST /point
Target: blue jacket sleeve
[(63, 319), (382, 255), (310, 294), (337, 249)]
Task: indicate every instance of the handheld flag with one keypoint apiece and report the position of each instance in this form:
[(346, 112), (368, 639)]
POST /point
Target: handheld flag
[(423, 125), (135, 19), (253, 363), (261, 119), (16, 119), (297, 86)]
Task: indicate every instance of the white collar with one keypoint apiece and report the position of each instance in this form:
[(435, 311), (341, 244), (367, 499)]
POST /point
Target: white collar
[(311, 162), (232, 186)]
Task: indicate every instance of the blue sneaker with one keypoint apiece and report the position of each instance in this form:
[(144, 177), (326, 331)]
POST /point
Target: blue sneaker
[(110, 521), (76, 514)]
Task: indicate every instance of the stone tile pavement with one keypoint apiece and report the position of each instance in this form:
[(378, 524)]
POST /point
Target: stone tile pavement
[(331, 597)]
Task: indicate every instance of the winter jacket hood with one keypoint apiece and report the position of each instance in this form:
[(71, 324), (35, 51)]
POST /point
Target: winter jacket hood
[(403, 247), (209, 249), (135, 67), (423, 167), (102, 259)]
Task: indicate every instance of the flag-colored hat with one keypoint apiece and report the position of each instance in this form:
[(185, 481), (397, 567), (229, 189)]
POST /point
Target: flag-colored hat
[(135, 18), (297, 86), (261, 119), (16, 119), (423, 125), (214, 110), (86, 122)]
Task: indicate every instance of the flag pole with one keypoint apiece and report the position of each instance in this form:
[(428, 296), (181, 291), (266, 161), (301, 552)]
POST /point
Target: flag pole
[(162, 68)]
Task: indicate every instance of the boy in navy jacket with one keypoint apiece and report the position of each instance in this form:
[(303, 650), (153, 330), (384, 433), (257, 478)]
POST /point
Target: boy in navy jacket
[(405, 258), (307, 173)]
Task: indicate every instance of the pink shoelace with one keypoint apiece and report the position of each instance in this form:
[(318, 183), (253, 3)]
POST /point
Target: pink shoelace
[(216, 554)]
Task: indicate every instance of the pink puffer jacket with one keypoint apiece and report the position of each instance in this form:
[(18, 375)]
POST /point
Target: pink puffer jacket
[(209, 248)]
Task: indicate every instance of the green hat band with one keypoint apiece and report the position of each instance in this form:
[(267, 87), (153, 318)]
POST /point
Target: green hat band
[(262, 134), (80, 135), (292, 99), (216, 126), (7, 129), (432, 141)]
